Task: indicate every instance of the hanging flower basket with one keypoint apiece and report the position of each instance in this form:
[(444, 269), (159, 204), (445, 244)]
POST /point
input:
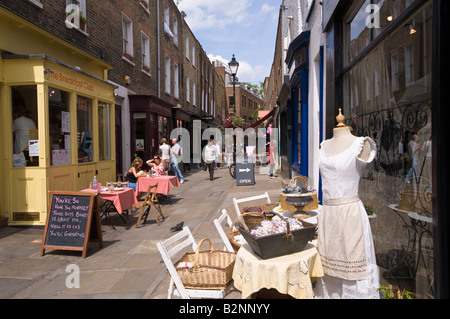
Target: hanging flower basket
[(234, 122)]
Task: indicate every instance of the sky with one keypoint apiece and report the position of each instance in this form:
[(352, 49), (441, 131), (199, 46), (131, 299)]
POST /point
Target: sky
[(245, 28)]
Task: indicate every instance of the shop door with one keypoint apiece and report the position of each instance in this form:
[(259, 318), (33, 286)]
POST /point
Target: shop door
[(139, 136)]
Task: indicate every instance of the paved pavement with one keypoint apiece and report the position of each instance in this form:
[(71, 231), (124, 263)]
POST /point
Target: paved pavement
[(129, 265)]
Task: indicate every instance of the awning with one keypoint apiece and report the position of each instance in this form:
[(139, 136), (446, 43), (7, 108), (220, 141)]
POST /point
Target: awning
[(265, 118)]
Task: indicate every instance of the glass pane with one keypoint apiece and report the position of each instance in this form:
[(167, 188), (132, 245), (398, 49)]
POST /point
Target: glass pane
[(84, 130), (140, 134), (24, 126), (104, 131), (388, 98), (59, 120)]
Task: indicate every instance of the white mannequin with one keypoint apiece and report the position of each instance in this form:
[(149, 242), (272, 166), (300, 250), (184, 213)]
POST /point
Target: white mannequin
[(343, 139)]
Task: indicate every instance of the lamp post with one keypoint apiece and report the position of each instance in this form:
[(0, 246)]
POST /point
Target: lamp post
[(234, 66)]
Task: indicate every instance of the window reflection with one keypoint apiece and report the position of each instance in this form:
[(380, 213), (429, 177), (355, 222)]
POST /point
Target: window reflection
[(84, 130), (24, 126), (387, 96), (104, 124), (59, 126)]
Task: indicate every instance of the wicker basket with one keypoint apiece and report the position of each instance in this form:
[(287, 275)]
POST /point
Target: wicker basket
[(251, 220), (281, 244), (416, 197), (211, 269), (314, 205)]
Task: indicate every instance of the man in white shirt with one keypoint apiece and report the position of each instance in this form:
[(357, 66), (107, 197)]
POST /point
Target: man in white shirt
[(210, 155), (175, 156), (21, 127)]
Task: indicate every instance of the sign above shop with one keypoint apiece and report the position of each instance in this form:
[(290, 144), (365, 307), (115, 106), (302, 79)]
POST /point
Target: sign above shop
[(59, 76)]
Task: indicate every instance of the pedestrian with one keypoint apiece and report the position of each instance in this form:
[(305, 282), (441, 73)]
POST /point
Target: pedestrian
[(414, 149), (271, 154), (175, 159), (165, 154), (210, 155)]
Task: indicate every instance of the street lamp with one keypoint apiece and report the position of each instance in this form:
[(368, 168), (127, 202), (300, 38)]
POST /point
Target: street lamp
[(234, 66)]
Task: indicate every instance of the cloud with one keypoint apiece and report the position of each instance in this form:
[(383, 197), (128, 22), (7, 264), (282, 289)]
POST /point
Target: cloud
[(205, 14)]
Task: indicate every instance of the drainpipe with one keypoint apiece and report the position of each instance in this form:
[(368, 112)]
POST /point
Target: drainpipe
[(159, 49)]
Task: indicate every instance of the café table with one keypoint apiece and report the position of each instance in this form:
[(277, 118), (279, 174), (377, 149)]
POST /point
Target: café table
[(115, 200), (290, 274), (165, 184), (420, 229)]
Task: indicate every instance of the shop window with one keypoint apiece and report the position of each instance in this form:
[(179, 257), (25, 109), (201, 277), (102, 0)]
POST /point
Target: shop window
[(104, 131), (84, 130), (367, 20), (59, 126), (24, 126), (140, 134), (397, 185), (163, 128)]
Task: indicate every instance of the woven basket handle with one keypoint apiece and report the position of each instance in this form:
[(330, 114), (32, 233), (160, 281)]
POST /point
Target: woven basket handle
[(298, 177), (197, 251), (241, 216)]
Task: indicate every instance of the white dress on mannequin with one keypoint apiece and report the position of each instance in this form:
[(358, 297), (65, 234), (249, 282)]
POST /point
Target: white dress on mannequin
[(345, 240)]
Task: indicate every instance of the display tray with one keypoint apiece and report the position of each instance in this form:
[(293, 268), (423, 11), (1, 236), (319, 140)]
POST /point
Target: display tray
[(281, 244)]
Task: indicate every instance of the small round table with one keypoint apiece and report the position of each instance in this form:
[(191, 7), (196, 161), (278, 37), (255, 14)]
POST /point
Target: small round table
[(290, 274)]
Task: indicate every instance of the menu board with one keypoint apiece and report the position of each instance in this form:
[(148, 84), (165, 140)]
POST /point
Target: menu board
[(69, 221)]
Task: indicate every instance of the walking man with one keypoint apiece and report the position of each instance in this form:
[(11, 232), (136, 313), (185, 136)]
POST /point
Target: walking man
[(210, 156), (175, 158)]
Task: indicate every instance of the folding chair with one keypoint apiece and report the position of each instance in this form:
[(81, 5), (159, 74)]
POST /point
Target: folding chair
[(170, 248), (218, 223), (150, 202), (236, 202)]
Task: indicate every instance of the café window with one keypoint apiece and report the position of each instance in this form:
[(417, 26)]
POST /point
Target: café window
[(104, 131), (84, 130), (24, 126), (59, 126), (397, 185)]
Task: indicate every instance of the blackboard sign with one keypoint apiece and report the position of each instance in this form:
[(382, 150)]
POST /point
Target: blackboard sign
[(245, 174), (69, 222)]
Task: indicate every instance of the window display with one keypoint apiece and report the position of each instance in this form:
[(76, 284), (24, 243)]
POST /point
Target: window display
[(59, 117), (84, 130)]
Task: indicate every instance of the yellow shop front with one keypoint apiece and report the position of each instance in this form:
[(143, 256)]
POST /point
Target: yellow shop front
[(57, 133)]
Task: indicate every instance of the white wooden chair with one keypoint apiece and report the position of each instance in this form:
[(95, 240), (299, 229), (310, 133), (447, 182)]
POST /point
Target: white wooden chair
[(170, 248), (218, 223), (236, 202)]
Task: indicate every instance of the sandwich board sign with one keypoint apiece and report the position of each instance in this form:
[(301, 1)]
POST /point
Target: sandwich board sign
[(71, 222), (245, 174)]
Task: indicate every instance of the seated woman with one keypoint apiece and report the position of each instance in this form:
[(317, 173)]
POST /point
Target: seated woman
[(157, 165), (132, 175)]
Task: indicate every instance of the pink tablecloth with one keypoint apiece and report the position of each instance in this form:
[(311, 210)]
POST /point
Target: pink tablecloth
[(123, 200), (165, 184)]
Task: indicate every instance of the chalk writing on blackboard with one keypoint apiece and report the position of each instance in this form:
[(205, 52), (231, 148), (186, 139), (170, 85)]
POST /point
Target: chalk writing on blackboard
[(68, 221)]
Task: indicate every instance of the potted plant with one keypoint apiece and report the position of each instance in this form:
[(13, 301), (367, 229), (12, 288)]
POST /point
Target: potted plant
[(388, 293), (369, 211)]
